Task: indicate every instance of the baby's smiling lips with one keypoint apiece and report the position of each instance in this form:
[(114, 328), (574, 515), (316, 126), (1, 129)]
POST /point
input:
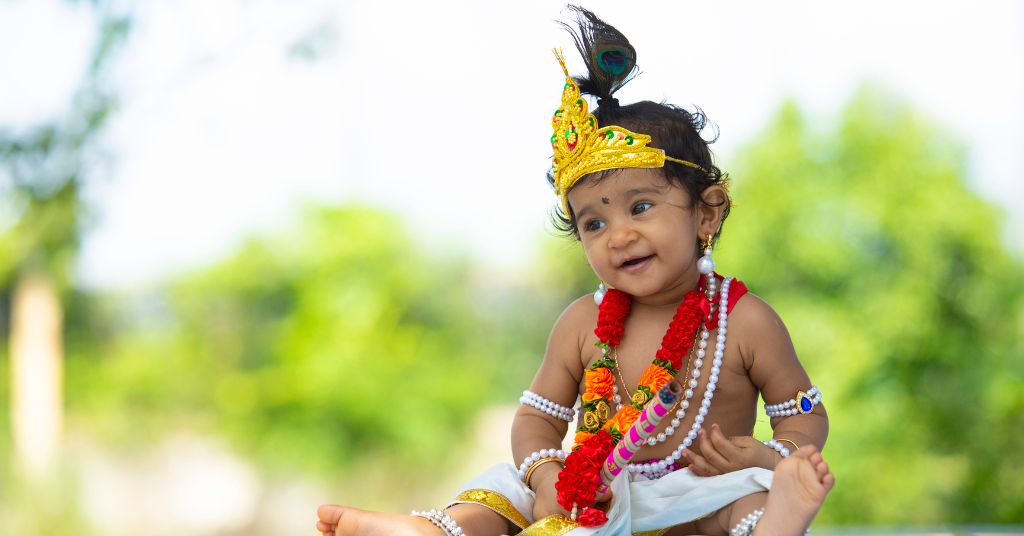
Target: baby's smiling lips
[(635, 264)]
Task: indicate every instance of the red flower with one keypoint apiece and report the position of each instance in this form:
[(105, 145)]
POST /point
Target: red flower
[(592, 517), (578, 481), (611, 316)]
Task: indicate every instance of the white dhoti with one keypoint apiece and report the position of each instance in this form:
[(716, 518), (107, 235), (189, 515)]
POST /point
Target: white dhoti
[(638, 506)]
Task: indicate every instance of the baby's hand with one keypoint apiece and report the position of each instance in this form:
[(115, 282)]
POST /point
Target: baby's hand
[(547, 499), (724, 455)]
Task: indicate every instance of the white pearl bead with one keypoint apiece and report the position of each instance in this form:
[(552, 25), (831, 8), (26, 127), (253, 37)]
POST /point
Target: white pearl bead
[(689, 393), (695, 427), (720, 338), (536, 456), (661, 437), (705, 333), (686, 403), (702, 411), (705, 403), (693, 383), (709, 392), (714, 378), (691, 436), (675, 422), (696, 374), (698, 419), (719, 354), (700, 354), (651, 441), (670, 430), (706, 265), (719, 346)]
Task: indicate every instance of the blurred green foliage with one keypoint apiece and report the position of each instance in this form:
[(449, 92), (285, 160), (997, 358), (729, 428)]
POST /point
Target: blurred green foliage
[(313, 349), (902, 303)]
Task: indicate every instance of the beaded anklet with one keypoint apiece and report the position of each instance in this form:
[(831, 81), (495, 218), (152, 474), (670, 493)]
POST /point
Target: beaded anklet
[(547, 406), (747, 524), (442, 520)]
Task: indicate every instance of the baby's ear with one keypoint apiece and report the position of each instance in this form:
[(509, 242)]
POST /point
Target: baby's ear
[(715, 199)]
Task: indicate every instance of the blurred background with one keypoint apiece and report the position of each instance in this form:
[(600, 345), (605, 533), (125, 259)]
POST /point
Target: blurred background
[(260, 255)]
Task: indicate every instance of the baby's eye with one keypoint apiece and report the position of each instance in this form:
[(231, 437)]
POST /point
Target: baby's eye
[(640, 207), (594, 225)]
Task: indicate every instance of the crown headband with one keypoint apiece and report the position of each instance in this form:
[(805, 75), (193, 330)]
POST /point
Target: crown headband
[(582, 146)]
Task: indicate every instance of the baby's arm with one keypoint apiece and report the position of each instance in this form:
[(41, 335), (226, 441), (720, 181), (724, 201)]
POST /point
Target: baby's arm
[(770, 362), (774, 369), (558, 380)]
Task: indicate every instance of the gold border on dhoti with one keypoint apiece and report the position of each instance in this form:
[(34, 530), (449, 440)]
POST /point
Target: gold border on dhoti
[(555, 525), (495, 501), (657, 532)]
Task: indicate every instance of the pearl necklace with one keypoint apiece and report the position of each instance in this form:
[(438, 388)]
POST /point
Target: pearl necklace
[(660, 468)]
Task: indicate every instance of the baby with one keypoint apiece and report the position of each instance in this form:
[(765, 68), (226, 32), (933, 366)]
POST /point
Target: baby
[(638, 188)]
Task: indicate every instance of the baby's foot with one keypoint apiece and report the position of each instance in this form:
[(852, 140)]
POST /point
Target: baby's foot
[(801, 483), (344, 521)]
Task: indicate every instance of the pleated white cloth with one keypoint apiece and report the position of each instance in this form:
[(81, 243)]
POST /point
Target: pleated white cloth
[(638, 505)]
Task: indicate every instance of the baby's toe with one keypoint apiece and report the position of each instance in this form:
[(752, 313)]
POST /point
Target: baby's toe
[(829, 481), (822, 468)]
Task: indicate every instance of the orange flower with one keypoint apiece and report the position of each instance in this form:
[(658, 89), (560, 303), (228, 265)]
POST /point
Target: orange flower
[(623, 419), (582, 437), (655, 377), (599, 382)]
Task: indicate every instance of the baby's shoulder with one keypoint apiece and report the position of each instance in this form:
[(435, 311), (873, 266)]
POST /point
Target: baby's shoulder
[(577, 320), (752, 311), (753, 323)]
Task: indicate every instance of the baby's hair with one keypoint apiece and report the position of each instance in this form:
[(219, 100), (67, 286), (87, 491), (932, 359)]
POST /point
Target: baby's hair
[(611, 62)]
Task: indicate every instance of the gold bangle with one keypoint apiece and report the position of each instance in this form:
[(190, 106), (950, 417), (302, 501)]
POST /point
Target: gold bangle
[(795, 446), (537, 464)]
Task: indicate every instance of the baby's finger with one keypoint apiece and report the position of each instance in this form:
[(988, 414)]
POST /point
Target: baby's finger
[(710, 452), (699, 463), (722, 444)]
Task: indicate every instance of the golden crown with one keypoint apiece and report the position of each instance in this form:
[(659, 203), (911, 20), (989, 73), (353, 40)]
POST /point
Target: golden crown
[(582, 146)]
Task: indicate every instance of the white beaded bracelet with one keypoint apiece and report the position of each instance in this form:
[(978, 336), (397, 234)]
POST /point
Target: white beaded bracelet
[(442, 520), (773, 444), (804, 403), (545, 453), (547, 406)]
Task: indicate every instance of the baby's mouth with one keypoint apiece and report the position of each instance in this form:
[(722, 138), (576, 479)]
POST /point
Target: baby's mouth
[(637, 260)]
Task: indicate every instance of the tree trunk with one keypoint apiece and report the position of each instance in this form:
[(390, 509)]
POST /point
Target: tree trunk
[(37, 369)]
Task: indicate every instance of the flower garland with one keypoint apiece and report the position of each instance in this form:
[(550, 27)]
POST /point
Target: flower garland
[(599, 432)]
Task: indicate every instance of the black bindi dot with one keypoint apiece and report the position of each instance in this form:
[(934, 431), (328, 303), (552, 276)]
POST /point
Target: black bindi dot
[(604, 200)]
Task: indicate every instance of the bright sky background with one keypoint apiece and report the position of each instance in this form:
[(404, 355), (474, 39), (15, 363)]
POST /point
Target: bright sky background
[(234, 112)]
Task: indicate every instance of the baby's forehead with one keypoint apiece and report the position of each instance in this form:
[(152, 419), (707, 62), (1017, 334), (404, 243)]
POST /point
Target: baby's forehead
[(619, 181)]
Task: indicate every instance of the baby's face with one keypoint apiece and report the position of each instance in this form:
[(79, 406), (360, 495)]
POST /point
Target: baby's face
[(639, 234)]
